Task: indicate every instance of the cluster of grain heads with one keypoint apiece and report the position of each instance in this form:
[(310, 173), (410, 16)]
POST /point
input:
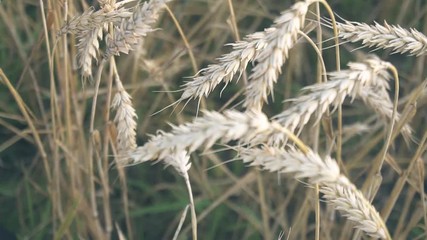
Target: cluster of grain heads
[(337, 189), (268, 48), (89, 28), (246, 127), (279, 39), (130, 26), (131, 30)]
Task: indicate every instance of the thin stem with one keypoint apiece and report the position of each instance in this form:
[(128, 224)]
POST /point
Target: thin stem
[(320, 73), (236, 32), (52, 82), (184, 39), (181, 222), (233, 20), (192, 207), (124, 189), (263, 205), (304, 148), (334, 27), (338, 68), (385, 213), (318, 51), (91, 146), (95, 96), (393, 116), (187, 45)]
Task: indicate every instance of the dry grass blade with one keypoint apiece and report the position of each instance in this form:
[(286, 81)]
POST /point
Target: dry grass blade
[(385, 36)]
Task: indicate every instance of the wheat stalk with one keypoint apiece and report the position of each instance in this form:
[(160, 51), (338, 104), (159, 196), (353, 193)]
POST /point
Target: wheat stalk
[(179, 160), (337, 189), (277, 39), (385, 36), (280, 38), (351, 82), (133, 29)]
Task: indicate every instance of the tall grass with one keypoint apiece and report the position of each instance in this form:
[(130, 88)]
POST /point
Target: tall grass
[(219, 91)]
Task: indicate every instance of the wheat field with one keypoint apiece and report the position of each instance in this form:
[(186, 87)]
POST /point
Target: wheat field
[(184, 119)]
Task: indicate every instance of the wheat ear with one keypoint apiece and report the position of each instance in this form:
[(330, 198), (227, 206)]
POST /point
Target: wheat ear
[(350, 201), (385, 36), (133, 29), (93, 19), (308, 165), (125, 121), (206, 130), (337, 189), (228, 65), (350, 82), (279, 38), (88, 49)]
